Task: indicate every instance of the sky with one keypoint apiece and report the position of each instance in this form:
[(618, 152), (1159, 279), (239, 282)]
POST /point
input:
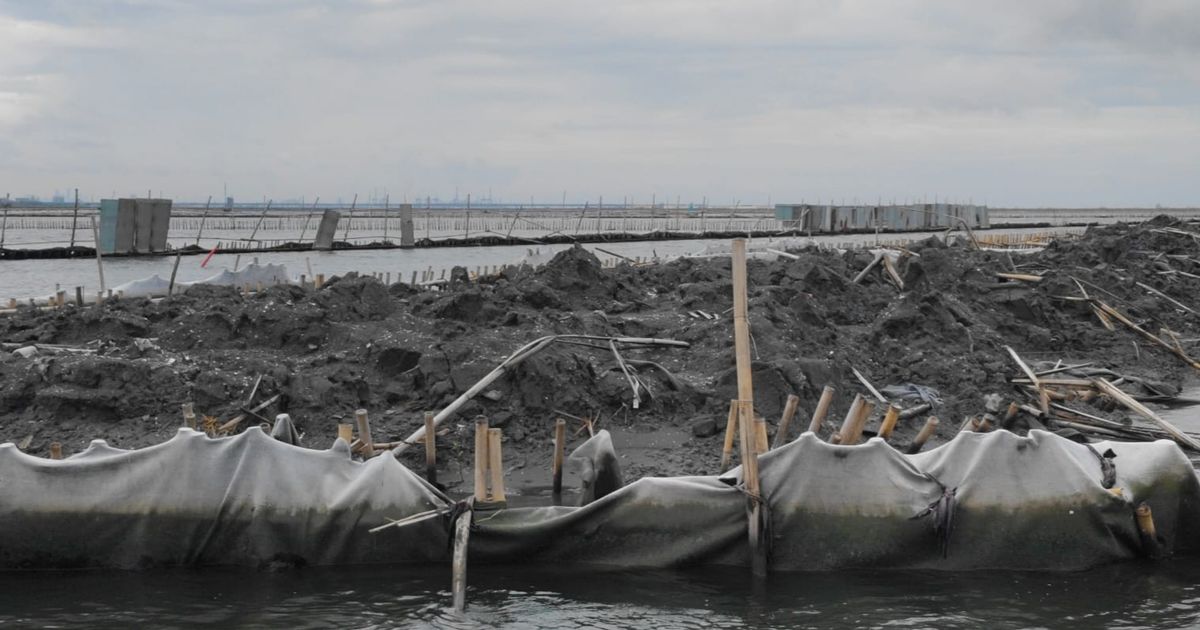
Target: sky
[(1008, 102)]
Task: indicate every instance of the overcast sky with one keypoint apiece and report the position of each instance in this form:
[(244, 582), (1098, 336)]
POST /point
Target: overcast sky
[(1062, 103)]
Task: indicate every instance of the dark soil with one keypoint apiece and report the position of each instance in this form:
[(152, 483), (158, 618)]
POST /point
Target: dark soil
[(398, 351)]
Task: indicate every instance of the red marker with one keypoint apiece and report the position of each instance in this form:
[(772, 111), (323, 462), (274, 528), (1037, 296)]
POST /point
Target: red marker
[(210, 255)]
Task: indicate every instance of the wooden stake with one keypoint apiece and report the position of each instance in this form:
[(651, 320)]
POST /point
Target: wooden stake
[(789, 411), (345, 432), (458, 579), (319, 281), (189, 416), (495, 466), (560, 443), (430, 449), (55, 450), (860, 422), (889, 421), (730, 432), (481, 459), (924, 435), (818, 416), (364, 433)]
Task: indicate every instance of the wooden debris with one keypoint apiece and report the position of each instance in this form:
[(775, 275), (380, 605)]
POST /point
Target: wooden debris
[(1125, 399)]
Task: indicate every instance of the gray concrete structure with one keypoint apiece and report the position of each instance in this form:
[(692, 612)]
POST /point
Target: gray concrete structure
[(327, 230), (407, 236)]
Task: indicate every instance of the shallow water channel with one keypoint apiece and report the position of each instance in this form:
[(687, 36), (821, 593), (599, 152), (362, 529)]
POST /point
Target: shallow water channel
[(1124, 596)]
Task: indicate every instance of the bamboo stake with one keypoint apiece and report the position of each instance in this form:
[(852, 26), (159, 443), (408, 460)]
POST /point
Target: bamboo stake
[(345, 432), (860, 421), (789, 411), (741, 328), (174, 270), (189, 416), (1140, 409), (892, 273), (1145, 521), (889, 421), (364, 433), (495, 466), (560, 443), (760, 435), (55, 450), (850, 419), (818, 417), (730, 431), (924, 435), (481, 459), (430, 449)]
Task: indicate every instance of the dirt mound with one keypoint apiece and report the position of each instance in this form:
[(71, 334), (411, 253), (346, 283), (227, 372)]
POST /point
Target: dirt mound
[(399, 350)]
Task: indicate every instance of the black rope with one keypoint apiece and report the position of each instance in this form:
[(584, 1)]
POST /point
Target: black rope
[(1108, 469), (942, 510)]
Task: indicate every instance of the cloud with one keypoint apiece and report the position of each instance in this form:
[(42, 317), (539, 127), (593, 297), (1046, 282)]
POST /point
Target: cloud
[(1067, 102)]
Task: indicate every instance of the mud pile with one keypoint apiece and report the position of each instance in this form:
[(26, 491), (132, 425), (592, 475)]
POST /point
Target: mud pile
[(398, 351)]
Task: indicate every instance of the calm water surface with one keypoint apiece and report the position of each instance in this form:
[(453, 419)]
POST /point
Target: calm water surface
[(1126, 596)]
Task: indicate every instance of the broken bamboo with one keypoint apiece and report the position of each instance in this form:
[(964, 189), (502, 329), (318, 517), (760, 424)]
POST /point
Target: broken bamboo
[(481, 459), (889, 421), (495, 467), (345, 432), (862, 274), (1125, 399), (364, 433)]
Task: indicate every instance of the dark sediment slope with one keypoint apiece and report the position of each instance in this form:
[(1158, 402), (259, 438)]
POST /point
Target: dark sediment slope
[(398, 351)]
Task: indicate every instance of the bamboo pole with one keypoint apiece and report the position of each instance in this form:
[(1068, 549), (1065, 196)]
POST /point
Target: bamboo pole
[(364, 433), (822, 409), (789, 411), (189, 416), (345, 432), (730, 432), (495, 466), (481, 459), (741, 327), (1145, 521), (760, 436), (55, 450), (1125, 399), (430, 449), (174, 270), (458, 580), (924, 435), (560, 443), (860, 422)]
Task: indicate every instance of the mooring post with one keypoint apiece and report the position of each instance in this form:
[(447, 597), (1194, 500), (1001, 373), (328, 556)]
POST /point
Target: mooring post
[(458, 580)]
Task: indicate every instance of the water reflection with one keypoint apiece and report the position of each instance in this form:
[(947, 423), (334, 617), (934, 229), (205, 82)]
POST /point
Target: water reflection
[(1126, 596)]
